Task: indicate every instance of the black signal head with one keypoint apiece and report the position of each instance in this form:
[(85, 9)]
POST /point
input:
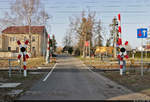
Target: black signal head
[(23, 49), (122, 49)]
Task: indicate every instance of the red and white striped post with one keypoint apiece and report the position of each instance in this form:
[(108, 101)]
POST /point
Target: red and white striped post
[(24, 54), (123, 52), (119, 30), (48, 50)]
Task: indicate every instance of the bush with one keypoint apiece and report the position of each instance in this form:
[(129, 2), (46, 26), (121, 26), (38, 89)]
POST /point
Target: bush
[(138, 54), (68, 48), (77, 52)]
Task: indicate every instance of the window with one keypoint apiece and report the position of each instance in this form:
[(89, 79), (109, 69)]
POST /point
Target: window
[(14, 38), (11, 39), (33, 38), (9, 48), (33, 48)]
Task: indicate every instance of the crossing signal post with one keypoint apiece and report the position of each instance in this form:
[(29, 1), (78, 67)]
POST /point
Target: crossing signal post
[(48, 50), (23, 53), (123, 52), (121, 56)]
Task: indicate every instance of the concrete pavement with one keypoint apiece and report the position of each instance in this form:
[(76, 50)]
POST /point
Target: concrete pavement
[(70, 79)]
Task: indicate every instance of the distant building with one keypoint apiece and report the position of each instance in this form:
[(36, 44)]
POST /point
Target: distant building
[(10, 35), (144, 48), (104, 50)]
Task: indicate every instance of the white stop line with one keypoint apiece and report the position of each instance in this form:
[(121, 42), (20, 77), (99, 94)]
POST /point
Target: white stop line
[(50, 72)]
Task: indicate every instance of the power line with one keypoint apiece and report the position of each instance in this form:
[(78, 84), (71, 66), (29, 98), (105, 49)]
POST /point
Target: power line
[(141, 12)]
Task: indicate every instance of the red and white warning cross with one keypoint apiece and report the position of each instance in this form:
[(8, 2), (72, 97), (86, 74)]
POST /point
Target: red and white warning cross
[(23, 53), (121, 55), (123, 52)]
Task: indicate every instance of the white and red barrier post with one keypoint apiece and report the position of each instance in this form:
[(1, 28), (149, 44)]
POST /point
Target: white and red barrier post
[(123, 52), (119, 30), (23, 53), (48, 50)]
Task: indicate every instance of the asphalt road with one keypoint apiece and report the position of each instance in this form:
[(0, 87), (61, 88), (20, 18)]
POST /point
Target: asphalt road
[(70, 79)]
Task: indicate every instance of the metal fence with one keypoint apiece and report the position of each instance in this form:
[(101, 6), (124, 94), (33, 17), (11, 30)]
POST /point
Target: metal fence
[(10, 66)]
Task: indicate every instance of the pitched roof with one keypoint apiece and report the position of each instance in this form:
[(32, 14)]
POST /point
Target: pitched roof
[(23, 30)]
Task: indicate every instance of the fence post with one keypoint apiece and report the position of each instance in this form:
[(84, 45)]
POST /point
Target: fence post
[(9, 67), (20, 66)]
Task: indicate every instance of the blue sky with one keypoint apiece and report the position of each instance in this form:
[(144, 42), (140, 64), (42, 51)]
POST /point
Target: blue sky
[(135, 14)]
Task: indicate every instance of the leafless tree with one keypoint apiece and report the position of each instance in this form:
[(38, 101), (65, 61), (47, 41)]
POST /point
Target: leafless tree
[(67, 40), (114, 34), (83, 28), (98, 38), (25, 12)]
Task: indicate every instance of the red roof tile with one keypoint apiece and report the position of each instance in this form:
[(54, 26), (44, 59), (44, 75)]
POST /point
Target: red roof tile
[(23, 30)]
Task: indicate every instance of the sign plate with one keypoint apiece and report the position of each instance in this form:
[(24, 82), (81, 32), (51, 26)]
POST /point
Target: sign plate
[(142, 33)]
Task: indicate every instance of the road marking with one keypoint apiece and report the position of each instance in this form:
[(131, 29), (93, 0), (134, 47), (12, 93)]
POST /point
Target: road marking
[(50, 72), (89, 69)]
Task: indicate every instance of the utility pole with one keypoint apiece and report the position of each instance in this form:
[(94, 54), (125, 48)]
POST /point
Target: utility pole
[(86, 49), (89, 48), (30, 31), (146, 48), (84, 35), (44, 47), (115, 36), (147, 43), (115, 46), (30, 36), (142, 57)]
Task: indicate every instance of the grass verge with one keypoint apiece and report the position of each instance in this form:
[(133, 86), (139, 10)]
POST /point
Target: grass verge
[(133, 81), (31, 63), (26, 83), (110, 63)]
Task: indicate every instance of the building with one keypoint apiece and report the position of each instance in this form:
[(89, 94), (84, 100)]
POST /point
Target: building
[(143, 48), (10, 35), (104, 50)]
